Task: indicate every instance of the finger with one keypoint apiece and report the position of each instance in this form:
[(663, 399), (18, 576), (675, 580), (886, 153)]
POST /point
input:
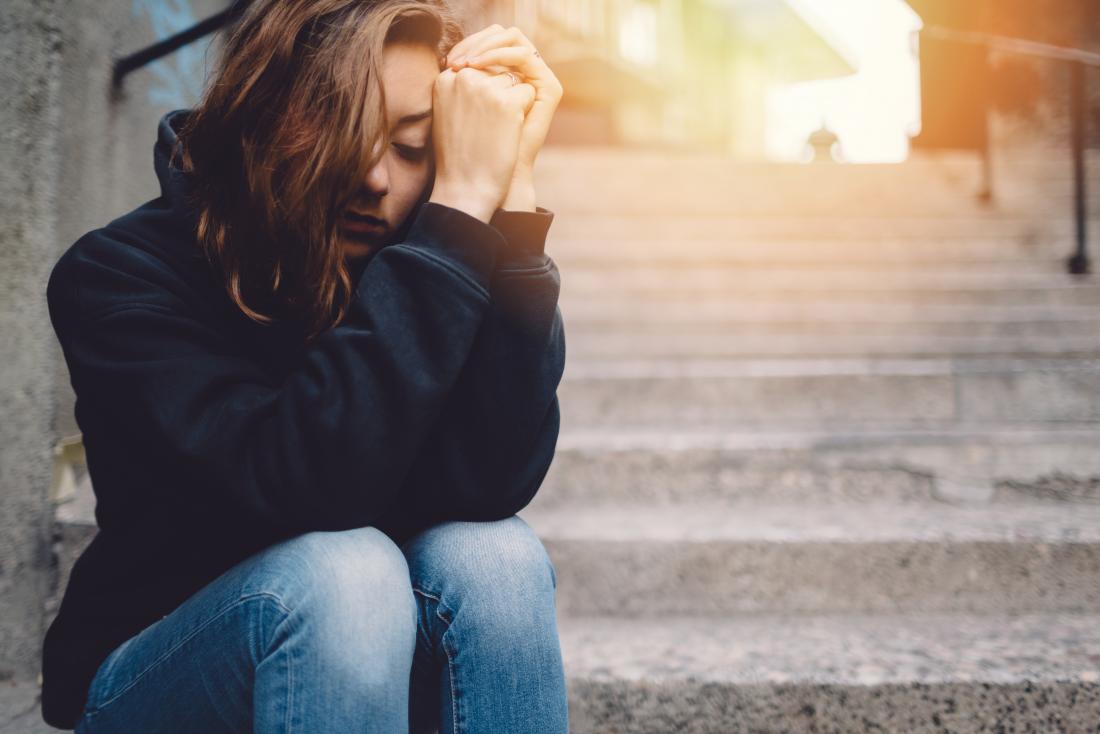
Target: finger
[(502, 80), (520, 58), (445, 78), (460, 48), (524, 94), (497, 38), (469, 73), (507, 37)]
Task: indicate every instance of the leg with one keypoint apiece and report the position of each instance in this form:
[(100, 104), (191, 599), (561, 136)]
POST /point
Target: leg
[(488, 657), (312, 634)]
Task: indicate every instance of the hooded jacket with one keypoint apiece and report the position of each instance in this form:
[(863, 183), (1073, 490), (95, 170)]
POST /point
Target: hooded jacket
[(209, 436)]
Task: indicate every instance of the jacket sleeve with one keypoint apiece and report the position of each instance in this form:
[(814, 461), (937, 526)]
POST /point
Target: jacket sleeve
[(487, 456), (327, 447)]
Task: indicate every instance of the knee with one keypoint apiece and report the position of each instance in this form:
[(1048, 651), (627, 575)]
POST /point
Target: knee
[(347, 588), (498, 570)]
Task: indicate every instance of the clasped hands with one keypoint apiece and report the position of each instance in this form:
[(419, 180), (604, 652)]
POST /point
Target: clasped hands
[(496, 49)]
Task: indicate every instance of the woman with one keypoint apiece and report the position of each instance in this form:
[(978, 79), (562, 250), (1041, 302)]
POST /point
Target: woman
[(316, 379)]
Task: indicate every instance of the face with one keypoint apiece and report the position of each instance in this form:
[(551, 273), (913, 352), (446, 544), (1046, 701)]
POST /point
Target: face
[(395, 184)]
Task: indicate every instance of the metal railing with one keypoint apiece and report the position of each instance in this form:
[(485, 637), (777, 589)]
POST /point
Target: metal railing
[(131, 62), (1079, 61)]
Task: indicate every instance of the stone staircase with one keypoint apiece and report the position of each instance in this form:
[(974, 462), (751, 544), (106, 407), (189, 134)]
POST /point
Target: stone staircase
[(830, 456), (830, 453)]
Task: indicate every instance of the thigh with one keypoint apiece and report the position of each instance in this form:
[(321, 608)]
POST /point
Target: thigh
[(196, 669), (191, 670)]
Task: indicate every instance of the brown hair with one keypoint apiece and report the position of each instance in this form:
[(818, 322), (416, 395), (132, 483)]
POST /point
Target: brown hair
[(283, 138)]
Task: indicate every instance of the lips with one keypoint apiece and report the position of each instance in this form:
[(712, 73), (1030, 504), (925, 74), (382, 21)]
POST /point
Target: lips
[(364, 218)]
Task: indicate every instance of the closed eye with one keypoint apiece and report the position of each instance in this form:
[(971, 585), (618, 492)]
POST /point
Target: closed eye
[(411, 152)]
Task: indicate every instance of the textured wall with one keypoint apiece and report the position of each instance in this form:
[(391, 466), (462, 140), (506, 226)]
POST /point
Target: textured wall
[(75, 155), (30, 51)]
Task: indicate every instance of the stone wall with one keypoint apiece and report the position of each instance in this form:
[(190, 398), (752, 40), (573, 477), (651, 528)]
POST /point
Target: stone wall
[(76, 154), (30, 53)]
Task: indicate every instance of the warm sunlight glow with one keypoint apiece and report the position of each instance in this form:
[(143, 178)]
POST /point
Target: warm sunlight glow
[(876, 110)]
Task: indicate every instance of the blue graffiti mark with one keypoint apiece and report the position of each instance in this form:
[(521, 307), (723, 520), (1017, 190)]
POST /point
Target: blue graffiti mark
[(178, 76)]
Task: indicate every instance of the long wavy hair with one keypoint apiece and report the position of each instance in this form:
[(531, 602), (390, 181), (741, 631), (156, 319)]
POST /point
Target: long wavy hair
[(283, 139)]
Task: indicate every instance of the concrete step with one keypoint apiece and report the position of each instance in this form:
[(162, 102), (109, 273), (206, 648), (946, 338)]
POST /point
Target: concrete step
[(838, 393), (619, 297), (657, 224), (919, 674), (702, 281), (701, 183), (709, 558), (606, 344), (990, 255), (805, 674), (840, 322), (667, 467), (612, 304), (827, 315)]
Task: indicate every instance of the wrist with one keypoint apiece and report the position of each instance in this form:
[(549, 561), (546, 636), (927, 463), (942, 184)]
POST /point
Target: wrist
[(476, 206), (521, 195)]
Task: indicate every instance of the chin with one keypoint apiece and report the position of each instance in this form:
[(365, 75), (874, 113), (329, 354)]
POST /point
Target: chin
[(355, 250)]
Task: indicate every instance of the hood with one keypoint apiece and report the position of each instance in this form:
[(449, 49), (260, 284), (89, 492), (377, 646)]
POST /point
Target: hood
[(174, 183)]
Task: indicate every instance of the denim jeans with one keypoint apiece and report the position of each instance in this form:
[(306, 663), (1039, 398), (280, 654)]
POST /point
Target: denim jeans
[(345, 631)]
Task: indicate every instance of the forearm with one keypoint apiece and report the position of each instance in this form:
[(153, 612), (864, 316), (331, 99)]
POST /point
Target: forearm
[(488, 453)]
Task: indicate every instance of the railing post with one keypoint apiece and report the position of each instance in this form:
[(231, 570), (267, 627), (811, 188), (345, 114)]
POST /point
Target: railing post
[(1079, 262), (985, 195)]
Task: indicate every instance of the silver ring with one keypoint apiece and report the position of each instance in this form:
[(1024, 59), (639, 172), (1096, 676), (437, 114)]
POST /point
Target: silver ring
[(515, 79)]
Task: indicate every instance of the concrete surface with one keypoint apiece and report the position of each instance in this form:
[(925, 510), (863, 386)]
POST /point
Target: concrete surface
[(810, 674), (30, 68)]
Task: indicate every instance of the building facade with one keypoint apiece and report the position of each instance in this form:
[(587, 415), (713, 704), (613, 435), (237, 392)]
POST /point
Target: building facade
[(676, 73)]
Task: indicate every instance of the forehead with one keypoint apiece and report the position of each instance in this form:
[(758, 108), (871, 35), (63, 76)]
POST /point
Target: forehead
[(408, 73)]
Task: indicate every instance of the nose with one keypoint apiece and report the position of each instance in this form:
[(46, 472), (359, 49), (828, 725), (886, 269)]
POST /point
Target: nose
[(378, 177)]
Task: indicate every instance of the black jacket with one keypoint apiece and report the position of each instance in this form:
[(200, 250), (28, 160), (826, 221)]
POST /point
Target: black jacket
[(209, 436)]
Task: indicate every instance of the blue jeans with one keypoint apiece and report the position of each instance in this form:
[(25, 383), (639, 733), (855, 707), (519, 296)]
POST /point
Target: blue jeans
[(344, 631)]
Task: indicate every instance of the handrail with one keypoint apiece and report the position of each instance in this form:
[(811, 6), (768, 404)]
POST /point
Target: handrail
[(1020, 46), (124, 65), (1079, 60)]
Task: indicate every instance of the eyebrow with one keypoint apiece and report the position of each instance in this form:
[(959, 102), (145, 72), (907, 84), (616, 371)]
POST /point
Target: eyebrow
[(415, 117)]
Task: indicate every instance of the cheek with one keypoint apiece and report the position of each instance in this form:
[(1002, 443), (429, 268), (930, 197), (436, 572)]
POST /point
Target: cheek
[(424, 176), (415, 186)]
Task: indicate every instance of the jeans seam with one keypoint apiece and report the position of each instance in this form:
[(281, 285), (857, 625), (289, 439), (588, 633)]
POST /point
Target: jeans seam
[(210, 620), (289, 689), (447, 654), (419, 630)]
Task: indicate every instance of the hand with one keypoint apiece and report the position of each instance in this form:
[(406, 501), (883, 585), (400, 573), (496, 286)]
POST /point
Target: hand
[(477, 121), (507, 49)]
